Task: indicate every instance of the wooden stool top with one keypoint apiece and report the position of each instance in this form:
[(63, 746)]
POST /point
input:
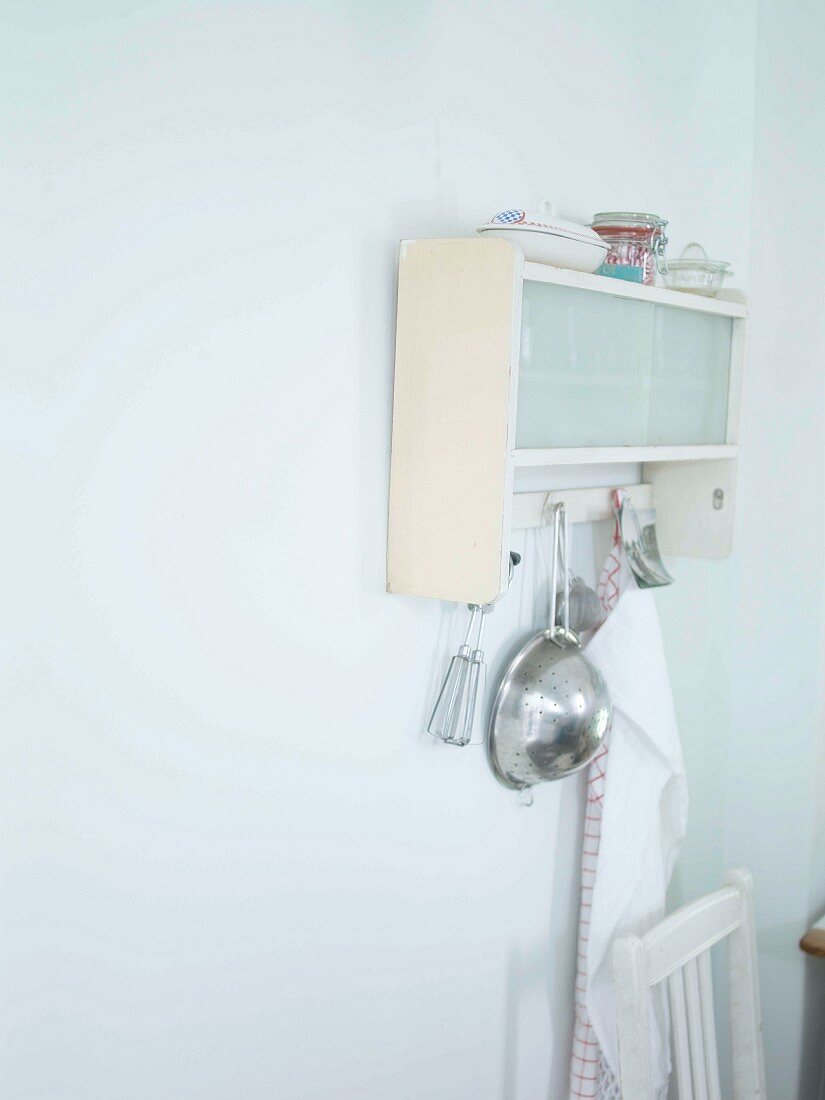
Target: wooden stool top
[(813, 942)]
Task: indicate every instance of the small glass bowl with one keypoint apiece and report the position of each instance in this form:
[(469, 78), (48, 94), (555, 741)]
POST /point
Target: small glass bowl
[(694, 273)]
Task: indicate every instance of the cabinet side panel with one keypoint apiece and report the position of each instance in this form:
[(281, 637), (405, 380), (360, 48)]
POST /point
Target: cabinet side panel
[(455, 360), (737, 374), (687, 523)]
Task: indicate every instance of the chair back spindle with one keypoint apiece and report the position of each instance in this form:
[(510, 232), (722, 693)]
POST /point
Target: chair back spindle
[(677, 952)]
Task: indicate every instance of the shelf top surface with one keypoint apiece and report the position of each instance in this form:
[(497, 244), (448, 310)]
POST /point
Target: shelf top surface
[(730, 303), (734, 306)]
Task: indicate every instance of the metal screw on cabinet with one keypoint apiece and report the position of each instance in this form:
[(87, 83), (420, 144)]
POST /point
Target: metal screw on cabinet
[(718, 499)]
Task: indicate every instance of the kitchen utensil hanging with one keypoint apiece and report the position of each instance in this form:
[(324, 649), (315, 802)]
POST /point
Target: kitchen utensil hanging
[(640, 545), (552, 710), (694, 273), (454, 711), (453, 716), (546, 239), (585, 609)]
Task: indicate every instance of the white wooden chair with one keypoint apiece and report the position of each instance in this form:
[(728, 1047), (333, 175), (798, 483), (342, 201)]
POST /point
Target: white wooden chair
[(678, 951)]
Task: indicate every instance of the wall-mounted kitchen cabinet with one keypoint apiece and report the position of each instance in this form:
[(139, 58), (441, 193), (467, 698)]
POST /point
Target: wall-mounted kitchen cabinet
[(503, 364)]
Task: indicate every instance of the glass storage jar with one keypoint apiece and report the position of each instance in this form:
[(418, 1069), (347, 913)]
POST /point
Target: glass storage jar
[(637, 245)]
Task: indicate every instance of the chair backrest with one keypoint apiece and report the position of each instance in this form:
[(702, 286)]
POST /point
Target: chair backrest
[(678, 951)]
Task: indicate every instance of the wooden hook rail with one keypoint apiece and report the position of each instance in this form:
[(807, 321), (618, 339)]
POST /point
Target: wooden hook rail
[(583, 505)]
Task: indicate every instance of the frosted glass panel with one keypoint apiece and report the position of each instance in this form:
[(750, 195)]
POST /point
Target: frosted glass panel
[(599, 371)]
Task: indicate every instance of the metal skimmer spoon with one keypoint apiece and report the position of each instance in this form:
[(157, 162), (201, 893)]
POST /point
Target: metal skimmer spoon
[(552, 710)]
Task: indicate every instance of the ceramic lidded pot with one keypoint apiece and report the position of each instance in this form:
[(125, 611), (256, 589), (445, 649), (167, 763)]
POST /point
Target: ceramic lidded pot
[(546, 239)]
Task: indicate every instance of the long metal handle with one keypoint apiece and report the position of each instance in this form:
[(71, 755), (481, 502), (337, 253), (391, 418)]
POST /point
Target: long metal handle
[(454, 701), (473, 677), (554, 569), (560, 560), (564, 558)]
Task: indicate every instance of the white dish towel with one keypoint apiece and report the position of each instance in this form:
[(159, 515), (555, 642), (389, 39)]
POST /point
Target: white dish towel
[(636, 817)]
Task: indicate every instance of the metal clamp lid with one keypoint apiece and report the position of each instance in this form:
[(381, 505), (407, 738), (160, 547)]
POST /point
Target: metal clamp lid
[(628, 219)]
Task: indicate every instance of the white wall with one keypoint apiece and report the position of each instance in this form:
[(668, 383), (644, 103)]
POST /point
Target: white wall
[(233, 864), (753, 734), (778, 660)]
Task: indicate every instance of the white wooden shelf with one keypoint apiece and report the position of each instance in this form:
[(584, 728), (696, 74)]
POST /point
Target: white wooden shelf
[(581, 505), (727, 304), (587, 456), (488, 352)]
